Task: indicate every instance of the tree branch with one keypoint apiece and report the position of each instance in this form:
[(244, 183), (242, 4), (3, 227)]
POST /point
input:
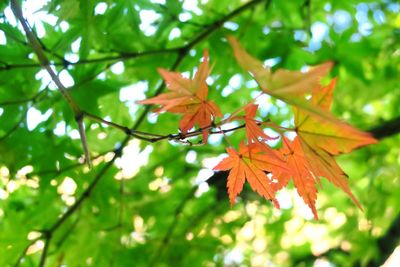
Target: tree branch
[(58, 171), (44, 62), (305, 12), (387, 243), (386, 129), (165, 241), (220, 22), (32, 99), (152, 138), (48, 237), (19, 260), (15, 127), (120, 57), (16, 39)]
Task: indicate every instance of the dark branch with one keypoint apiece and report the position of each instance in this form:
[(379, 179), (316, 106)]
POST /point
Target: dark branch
[(387, 243), (381, 131), (20, 258), (15, 127), (47, 240), (220, 22), (386, 129), (165, 241), (119, 57), (44, 62), (58, 171), (32, 99)]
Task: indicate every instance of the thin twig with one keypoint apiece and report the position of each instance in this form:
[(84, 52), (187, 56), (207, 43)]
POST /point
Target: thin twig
[(386, 129), (165, 241), (67, 233), (15, 127), (123, 56), (16, 102), (59, 171), (34, 98), (305, 12), (44, 47), (152, 138), (201, 216), (81, 130), (47, 240), (23, 254)]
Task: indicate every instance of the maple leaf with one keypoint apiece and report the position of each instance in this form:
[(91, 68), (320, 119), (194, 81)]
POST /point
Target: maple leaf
[(252, 168), (202, 115), (187, 97), (333, 136), (322, 164), (320, 140), (299, 171), (289, 86), (253, 131)]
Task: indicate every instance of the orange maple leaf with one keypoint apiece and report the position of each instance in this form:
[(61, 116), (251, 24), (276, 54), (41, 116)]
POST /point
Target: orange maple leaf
[(321, 139), (323, 164), (187, 97), (254, 133), (333, 136), (299, 171), (252, 168)]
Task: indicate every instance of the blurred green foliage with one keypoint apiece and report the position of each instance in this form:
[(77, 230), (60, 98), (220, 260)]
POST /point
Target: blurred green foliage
[(152, 206)]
